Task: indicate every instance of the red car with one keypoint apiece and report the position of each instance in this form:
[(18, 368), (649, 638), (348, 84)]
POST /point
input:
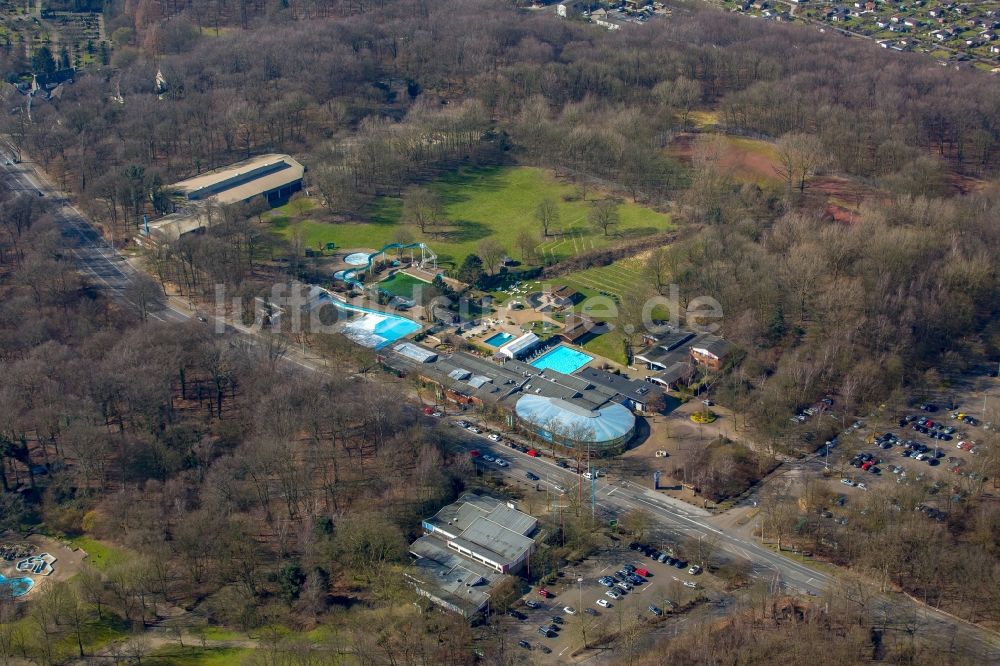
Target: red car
[(868, 465), (542, 592), (533, 453), (474, 453), (642, 572)]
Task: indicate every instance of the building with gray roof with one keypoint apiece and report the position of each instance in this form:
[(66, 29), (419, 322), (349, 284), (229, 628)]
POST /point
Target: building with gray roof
[(467, 548)]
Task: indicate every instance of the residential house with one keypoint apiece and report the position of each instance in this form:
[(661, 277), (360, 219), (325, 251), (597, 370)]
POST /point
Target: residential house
[(711, 351)]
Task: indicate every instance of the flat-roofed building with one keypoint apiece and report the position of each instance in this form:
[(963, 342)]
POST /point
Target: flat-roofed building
[(273, 177), (468, 547)]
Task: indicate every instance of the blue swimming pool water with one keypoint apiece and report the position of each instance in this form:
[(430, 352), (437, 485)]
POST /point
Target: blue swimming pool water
[(499, 340), (562, 359), (373, 328), (18, 586)]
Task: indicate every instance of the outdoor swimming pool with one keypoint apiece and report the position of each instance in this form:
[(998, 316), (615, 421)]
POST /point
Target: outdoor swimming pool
[(18, 586), (562, 359), (499, 340), (357, 259), (373, 328)]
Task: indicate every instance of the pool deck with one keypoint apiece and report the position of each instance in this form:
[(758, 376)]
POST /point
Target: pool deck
[(68, 562)]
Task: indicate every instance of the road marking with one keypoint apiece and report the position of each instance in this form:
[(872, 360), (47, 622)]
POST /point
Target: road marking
[(563, 650), (612, 491)]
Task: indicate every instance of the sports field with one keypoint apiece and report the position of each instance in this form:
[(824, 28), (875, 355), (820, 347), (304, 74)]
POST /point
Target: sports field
[(483, 203)]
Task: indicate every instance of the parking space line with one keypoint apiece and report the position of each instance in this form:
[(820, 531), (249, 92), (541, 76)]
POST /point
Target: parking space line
[(563, 650), (612, 491)]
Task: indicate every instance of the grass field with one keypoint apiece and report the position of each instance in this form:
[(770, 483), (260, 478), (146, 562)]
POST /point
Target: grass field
[(99, 555), (401, 284), (482, 203), (95, 634)]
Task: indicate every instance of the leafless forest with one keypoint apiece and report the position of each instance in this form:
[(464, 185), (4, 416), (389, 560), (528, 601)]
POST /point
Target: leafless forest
[(254, 495)]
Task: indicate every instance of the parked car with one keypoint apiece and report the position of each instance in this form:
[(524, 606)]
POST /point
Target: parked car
[(517, 615), (694, 570), (488, 458), (590, 611), (475, 430), (531, 603), (501, 462), (611, 594), (603, 603), (493, 437), (655, 610), (569, 610), (556, 619), (542, 592), (525, 644), (545, 631), (531, 476)]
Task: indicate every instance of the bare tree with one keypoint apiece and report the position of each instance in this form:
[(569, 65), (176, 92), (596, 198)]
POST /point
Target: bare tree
[(800, 156), (604, 215), (422, 208), (547, 215), (492, 253)]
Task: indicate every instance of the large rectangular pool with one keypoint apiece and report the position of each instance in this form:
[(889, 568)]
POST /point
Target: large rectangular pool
[(562, 359), (499, 339)]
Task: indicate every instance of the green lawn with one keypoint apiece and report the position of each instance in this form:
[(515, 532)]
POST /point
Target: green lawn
[(96, 634), (480, 203), (99, 555), (608, 345), (401, 284)]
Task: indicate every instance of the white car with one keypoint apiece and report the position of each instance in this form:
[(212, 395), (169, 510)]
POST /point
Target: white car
[(690, 583), (588, 475), (488, 458), (694, 570), (847, 482), (862, 486), (613, 595), (559, 489), (569, 610), (501, 462), (475, 430), (493, 437), (437, 414), (603, 603)]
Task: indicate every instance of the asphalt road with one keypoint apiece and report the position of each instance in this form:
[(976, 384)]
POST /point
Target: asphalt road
[(111, 271), (98, 261), (612, 498)]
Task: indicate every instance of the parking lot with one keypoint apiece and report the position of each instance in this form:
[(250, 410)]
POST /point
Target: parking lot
[(597, 609), (938, 444)]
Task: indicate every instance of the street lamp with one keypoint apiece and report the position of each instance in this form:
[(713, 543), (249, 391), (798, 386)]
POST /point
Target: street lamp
[(579, 587)]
